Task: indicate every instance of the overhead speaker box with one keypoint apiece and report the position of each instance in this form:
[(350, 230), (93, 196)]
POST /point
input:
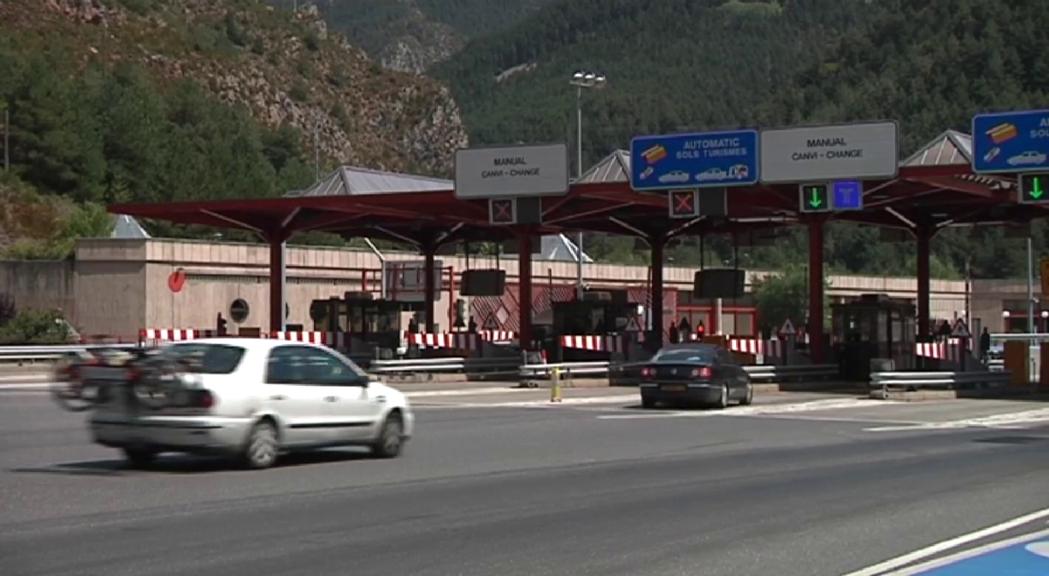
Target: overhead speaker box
[(719, 283), (483, 283)]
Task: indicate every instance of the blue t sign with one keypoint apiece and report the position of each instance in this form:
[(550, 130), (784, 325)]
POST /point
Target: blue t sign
[(847, 195)]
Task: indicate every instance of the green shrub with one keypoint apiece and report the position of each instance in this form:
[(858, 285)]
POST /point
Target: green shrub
[(35, 327)]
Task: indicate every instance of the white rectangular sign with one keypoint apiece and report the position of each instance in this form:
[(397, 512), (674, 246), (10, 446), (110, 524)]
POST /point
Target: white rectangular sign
[(847, 151), (511, 171)]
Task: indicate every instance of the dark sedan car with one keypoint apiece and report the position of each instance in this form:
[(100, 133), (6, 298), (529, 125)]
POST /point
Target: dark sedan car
[(694, 373)]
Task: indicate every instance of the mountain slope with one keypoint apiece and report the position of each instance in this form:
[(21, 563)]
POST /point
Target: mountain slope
[(412, 35), (285, 70)]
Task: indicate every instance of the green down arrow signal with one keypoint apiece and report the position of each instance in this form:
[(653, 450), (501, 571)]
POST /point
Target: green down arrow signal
[(1036, 188), (815, 201)]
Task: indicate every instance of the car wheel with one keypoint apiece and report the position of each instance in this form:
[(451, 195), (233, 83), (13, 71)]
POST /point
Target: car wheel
[(262, 446), (388, 444), (139, 457), (749, 398), (723, 401)]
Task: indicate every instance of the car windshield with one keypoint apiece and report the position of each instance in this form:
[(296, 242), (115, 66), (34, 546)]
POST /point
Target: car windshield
[(690, 355), (207, 358)]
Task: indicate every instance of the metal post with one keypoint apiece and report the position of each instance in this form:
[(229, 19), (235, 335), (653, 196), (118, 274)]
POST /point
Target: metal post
[(657, 243), (524, 288), (283, 285), (579, 176), (816, 289), (430, 287), (276, 285), (1030, 288), (924, 293)]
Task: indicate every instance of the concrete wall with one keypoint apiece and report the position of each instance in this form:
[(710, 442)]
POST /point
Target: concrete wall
[(123, 287), (110, 282), (42, 285)]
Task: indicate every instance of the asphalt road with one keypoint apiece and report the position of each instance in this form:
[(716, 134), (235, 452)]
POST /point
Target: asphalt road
[(589, 489)]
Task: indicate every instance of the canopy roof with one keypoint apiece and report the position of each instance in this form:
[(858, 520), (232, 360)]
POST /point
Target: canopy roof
[(934, 187)]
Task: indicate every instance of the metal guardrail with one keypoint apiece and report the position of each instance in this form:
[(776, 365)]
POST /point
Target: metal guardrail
[(42, 353), (885, 381), (780, 373), (566, 369), (451, 364)]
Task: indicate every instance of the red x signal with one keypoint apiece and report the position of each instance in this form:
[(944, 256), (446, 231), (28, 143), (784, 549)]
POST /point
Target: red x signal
[(682, 203), (502, 211)]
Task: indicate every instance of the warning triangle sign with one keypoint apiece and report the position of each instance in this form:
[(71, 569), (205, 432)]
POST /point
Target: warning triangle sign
[(490, 323), (961, 330), (633, 325), (788, 328)]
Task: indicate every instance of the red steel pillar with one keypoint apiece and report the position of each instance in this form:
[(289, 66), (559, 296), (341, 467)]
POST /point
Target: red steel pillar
[(524, 288), (816, 289), (657, 243), (429, 287), (276, 284), (924, 234)]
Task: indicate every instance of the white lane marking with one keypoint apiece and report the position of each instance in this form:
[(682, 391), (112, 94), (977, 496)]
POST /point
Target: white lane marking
[(912, 557), (1011, 420), (978, 551), (775, 409), (547, 403), (26, 386), (26, 378), (464, 392)]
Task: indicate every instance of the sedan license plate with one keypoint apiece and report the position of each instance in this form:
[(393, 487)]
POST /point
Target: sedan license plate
[(673, 388)]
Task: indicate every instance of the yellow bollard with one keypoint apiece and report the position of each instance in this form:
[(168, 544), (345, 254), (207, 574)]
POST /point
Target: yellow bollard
[(555, 385)]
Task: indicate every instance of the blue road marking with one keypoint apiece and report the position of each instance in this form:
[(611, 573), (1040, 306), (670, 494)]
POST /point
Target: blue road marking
[(1030, 558)]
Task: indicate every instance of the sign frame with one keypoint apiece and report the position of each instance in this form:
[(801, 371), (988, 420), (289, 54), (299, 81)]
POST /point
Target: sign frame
[(1022, 190), (811, 175), (693, 213), (512, 202), (749, 164), (470, 180), (981, 165), (828, 196), (838, 187)]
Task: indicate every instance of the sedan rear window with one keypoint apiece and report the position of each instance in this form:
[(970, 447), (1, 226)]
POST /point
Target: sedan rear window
[(704, 355), (208, 358)]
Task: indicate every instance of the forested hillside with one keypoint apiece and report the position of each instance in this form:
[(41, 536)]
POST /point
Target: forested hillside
[(143, 100), (682, 65), (412, 35)]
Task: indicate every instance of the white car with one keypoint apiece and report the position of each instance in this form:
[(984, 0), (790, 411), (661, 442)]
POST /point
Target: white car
[(251, 398), (1028, 158), (711, 174), (675, 177)]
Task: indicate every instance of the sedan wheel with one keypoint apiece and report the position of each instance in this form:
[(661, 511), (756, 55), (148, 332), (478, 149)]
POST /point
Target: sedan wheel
[(749, 398), (388, 444), (262, 446), (723, 401)]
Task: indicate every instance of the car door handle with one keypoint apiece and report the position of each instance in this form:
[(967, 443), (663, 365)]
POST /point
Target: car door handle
[(278, 397), (331, 398)]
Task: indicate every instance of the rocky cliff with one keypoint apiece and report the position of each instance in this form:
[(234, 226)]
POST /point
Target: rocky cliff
[(287, 69)]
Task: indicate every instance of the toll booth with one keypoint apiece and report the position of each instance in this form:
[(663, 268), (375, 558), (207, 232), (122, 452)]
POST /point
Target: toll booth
[(599, 313), (372, 325), (873, 327)]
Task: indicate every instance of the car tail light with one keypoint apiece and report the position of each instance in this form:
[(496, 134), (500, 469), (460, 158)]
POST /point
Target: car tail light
[(647, 372), (704, 372), (134, 375), (205, 399)]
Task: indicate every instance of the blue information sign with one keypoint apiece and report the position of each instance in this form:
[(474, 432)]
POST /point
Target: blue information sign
[(847, 195), (706, 160), (1011, 142)]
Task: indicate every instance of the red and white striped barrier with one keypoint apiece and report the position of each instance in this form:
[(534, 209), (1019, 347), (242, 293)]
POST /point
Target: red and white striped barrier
[(456, 340), (594, 343), (335, 340), (153, 336), (949, 350), (498, 335), (757, 347)]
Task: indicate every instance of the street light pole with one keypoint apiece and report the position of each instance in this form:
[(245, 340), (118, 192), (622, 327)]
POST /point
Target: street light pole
[(582, 80)]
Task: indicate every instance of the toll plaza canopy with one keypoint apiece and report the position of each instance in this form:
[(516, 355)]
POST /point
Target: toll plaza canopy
[(934, 188)]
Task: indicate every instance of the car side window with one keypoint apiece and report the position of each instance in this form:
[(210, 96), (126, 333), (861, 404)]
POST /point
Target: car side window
[(726, 358), (309, 366)]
